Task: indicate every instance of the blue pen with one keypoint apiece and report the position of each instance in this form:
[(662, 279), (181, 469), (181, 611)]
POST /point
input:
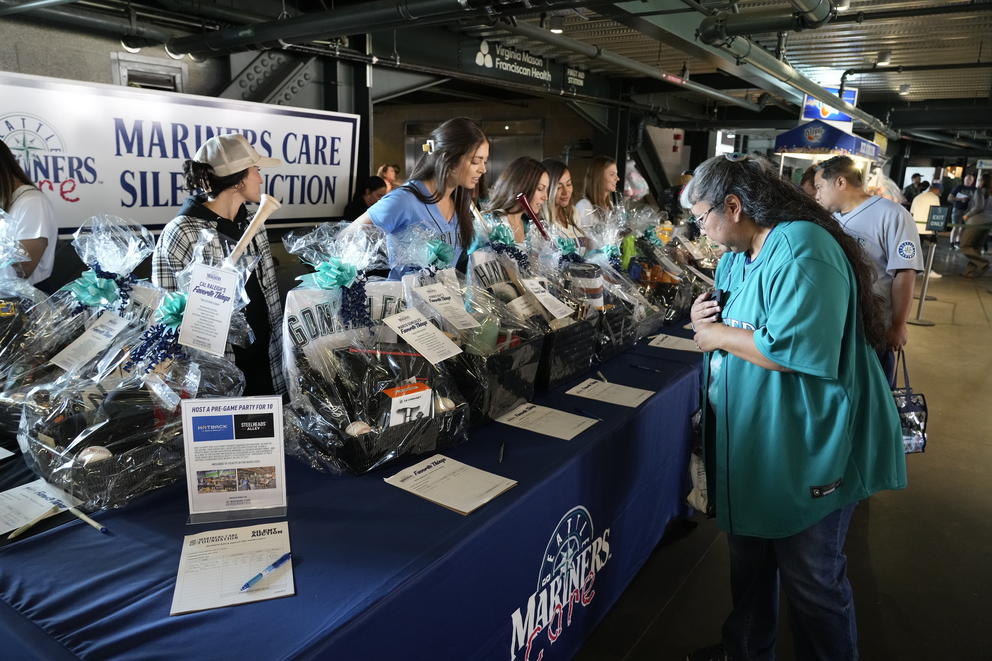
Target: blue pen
[(268, 570)]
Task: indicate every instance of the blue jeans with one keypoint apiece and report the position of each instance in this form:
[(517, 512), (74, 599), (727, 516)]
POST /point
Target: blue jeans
[(812, 568)]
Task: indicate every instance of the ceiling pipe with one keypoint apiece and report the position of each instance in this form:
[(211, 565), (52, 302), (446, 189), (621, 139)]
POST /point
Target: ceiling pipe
[(942, 139), (912, 67), (745, 50), (10, 9), (216, 12), (352, 19), (809, 14), (862, 16), (136, 34), (596, 53)]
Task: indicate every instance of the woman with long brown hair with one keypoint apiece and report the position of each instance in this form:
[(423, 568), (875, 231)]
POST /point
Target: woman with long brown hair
[(438, 194), (524, 175), (32, 214), (600, 182), (560, 210)]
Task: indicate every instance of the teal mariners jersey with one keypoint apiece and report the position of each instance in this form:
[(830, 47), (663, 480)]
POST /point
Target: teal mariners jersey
[(784, 449)]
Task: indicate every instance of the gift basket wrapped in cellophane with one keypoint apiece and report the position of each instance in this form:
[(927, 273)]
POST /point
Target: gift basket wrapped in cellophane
[(17, 301), (599, 280), (572, 339), (500, 351), (114, 431), (693, 261), (65, 332), (359, 396)]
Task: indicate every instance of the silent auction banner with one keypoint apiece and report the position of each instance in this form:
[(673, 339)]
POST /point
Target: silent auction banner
[(104, 149)]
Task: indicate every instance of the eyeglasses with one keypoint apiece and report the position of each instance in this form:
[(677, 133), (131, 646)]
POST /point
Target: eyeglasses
[(700, 220)]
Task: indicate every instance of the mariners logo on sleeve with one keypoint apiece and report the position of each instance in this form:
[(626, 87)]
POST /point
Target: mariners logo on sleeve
[(907, 250)]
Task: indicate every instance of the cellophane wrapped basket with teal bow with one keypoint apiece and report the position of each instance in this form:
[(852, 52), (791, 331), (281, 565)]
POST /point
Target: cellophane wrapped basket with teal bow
[(113, 431), (51, 343), (359, 397)]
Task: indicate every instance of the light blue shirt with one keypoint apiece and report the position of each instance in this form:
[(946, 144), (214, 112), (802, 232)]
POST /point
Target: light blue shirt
[(400, 210)]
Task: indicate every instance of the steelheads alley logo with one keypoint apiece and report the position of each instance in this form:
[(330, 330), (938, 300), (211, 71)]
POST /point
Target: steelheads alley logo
[(571, 561), (43, 154)]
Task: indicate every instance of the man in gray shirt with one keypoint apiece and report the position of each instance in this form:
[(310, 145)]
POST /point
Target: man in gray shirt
[(888, 236)]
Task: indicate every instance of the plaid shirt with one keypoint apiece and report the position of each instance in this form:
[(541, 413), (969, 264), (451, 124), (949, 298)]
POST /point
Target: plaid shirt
[(174, 251)]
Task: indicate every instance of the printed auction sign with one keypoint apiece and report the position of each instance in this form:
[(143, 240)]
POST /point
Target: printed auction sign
[(103, 149)]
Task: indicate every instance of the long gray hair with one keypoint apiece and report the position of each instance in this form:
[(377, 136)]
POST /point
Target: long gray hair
[(768, 199)]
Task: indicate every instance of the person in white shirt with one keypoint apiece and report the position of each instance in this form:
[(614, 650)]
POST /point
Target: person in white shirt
[(888, 236), (920, 209), (600, 182), (32, 213), (560, 212)]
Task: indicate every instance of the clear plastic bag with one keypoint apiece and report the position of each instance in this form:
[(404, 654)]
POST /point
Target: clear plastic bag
[(105, 300), (112, 431), (108, 446), (17, 302), (359, 396), (501, 351)]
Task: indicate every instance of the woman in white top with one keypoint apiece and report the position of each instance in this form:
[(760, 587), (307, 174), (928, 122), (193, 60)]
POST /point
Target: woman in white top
[(32, 213), (601, 180), (560, 213), (524, 175)]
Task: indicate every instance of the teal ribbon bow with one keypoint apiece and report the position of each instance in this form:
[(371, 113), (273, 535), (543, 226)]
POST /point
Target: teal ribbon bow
[(651, 236), (330, 275), (91, 290), (567, 246), (607, 251), (439, 253), (502, 234), (170, 311)]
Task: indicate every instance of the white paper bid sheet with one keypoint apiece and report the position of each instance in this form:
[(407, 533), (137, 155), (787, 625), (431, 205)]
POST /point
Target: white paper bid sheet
[(613, 393), (29, 501), (209, 307), (451, 483), (215, 564), (547, 421), (423, 336), (672, 342)]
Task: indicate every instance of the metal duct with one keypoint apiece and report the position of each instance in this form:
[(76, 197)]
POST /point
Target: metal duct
[(10, 8), (911, 67), (353, 19), (595, 52), (809, 14), (746, 51), (74, 18)]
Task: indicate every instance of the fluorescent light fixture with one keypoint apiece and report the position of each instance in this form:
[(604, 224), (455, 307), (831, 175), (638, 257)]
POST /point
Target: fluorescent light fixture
[(904, 89), (556, 24), (842, 5), (884, 58), (129, 49)]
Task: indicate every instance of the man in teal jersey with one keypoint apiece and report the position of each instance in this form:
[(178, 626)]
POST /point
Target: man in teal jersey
[(800, 422)]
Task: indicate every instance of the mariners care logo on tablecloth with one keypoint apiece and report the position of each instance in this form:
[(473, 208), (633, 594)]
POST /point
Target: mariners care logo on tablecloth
[(571, 561), (907, 250)]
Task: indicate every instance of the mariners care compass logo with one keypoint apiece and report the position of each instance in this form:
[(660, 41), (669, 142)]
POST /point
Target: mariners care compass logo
[(29, 136), (42, 153), (572, 559)]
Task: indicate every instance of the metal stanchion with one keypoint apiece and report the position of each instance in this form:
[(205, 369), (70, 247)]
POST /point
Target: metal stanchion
[(931, 237), (919, 321)]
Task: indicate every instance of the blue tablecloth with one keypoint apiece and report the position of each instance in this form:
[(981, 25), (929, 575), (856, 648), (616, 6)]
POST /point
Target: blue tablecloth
[(380, 573)]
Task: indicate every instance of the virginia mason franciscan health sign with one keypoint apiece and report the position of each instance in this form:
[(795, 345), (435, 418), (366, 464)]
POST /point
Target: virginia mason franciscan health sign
[(103, 149)]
